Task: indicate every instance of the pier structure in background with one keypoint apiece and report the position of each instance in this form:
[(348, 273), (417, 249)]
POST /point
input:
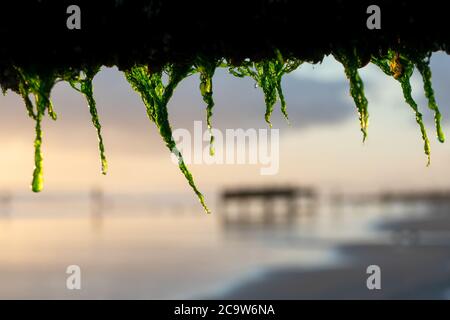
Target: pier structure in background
[(265, 205)]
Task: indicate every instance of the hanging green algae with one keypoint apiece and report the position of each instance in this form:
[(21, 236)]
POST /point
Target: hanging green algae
[(40, 87), (206, 69), (83, 84), (401, 68), (24, 92), (423, 65), (351, 64), (284, 66), (262, 73), (156, 96), (268, 74)]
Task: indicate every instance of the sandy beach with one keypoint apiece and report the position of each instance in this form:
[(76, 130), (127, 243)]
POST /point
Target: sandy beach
[(415, 264)]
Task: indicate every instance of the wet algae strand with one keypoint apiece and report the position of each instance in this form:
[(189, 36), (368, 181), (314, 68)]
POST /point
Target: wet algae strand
[(156, 95), (156, 86), (38, 86), (351, 62), (423, 65), (206, 69), (82, 82), (267, 75), (401, 67)]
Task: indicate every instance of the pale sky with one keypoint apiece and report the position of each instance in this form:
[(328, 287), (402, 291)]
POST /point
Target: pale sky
[(323, 146)]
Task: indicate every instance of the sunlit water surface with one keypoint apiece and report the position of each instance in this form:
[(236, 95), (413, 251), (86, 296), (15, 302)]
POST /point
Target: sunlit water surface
[(132, 249)]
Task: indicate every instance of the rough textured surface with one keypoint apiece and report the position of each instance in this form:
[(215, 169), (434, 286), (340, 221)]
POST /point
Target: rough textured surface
[(122, 33)]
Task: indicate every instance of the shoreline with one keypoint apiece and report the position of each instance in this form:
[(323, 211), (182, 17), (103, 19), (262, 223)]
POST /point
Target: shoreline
[(413, 266)]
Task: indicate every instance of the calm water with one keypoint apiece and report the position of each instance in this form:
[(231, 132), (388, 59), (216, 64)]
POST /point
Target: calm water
[(133, 249)]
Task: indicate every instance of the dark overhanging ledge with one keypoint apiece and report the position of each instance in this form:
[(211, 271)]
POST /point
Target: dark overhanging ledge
[(262, 39), (156, 32)]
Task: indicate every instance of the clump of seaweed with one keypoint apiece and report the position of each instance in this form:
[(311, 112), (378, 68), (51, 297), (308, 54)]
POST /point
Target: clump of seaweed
[(156, 95), (156, 87), (39, 86), (401, 68), (268, 74)]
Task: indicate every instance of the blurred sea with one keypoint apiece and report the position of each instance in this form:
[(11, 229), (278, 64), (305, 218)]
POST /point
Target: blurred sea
[(150, 247)]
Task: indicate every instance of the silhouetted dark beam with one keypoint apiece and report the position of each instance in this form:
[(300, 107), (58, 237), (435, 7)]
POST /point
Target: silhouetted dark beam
[(155, 32)]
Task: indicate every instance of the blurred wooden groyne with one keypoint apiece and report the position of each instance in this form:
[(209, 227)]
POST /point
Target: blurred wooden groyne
[(265, 205)]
